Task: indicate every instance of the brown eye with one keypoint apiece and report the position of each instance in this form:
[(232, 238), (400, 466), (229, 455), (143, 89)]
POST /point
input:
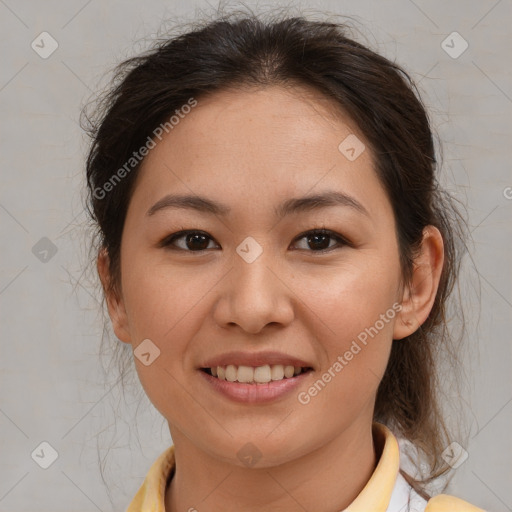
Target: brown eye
[(319, 240), (192, 241)]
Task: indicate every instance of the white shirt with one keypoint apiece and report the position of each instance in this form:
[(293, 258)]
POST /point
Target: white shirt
[(404, 498)]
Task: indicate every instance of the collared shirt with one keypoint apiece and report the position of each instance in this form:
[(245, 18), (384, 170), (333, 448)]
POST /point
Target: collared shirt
[(386, 491)]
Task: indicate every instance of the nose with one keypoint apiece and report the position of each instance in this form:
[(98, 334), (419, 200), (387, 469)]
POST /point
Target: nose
[(254, 295)]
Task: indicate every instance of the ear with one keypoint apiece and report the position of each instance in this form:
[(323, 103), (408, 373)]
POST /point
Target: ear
[(115, 304), (419, 295)]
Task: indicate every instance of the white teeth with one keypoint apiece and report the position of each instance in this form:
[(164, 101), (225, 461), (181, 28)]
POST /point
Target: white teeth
[(289, 371), (277, 372), (258, 375), (245, 374), (262, 374), (231, 373)]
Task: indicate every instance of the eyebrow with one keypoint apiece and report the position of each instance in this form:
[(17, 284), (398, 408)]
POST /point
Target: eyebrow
[(288, 207)]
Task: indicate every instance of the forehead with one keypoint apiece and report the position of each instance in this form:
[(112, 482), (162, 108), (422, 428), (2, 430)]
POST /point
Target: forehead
[(263, 125), (258, 144)]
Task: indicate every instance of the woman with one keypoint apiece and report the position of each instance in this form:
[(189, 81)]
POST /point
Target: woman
[(276, 249)]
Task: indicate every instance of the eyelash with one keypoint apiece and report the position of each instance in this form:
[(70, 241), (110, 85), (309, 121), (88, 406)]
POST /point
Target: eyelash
[(341, 241)]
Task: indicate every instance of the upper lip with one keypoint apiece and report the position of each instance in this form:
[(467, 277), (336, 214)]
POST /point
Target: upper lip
[(255, 359)]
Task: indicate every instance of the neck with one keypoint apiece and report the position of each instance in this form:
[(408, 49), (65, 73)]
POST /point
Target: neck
[(337, 471)]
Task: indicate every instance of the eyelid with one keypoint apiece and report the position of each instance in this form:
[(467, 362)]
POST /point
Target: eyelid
[(325, 231), (166, 242), (341, 240)]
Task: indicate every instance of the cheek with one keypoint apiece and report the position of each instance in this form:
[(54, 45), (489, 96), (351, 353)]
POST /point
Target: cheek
[(352, 296), (161, 301), (168, 307), (339, 306), (355, 310)]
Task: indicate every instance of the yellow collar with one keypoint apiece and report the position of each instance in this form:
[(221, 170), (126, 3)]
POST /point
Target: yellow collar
[(375, 496)]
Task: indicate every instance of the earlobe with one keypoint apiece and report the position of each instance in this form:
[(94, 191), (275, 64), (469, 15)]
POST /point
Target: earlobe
[(115, 304), (420, 294)]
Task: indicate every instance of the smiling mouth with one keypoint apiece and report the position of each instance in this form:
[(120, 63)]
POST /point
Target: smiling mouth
[(255, 375)]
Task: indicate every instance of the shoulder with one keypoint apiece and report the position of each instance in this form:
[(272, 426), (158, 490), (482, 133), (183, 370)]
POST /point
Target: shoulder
[(445, 503)]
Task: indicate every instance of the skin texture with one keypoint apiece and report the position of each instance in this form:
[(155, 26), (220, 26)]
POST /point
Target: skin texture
[(251, 150)]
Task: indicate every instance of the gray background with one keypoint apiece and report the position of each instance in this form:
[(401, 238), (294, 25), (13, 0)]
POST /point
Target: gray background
[(52, 386)]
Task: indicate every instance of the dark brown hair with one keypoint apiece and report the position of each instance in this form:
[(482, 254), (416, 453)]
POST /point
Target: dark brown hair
[(237, 51)]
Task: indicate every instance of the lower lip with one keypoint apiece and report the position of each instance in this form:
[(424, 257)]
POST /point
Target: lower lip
[(255, 393)]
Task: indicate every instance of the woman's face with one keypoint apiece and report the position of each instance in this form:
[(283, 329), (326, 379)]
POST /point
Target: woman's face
[(256, 281)]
